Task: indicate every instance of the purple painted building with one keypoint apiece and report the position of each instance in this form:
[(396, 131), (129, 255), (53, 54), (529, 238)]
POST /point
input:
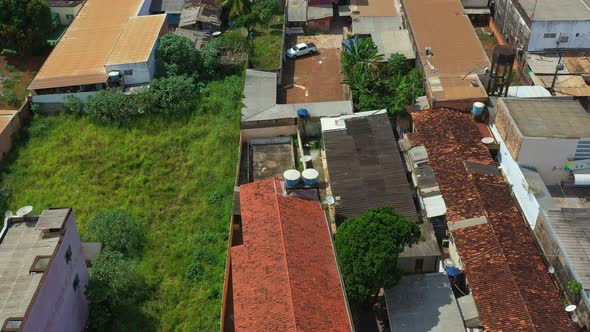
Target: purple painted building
[(43, 273)]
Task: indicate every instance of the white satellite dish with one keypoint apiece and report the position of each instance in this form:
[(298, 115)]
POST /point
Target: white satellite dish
[(8, 214), (551, 269), (216, 33), (24, 211), (330, 200), (570, 308), (305, 159), (487, 140)]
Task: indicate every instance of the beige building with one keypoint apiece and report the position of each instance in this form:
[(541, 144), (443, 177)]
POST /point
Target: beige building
[(65, 11), (545, 134)]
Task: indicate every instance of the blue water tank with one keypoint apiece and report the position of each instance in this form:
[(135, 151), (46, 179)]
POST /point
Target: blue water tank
[(292, 177), (302, 113), (310, 177), (478, 108)]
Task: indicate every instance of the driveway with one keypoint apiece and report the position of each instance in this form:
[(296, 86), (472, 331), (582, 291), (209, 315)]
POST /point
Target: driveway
[(314, 78)]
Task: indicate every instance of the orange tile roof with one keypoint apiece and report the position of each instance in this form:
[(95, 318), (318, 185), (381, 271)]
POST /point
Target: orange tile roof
[(510, 283), (284, 275), (80, 56), (457, 53), (137, 39)]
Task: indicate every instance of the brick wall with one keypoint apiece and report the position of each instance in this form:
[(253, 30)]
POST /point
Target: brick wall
[(508, 130)]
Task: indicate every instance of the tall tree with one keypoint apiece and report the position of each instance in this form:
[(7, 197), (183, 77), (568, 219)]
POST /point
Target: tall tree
[(236, 7), (368, 247), (24, 25), (177, 56)]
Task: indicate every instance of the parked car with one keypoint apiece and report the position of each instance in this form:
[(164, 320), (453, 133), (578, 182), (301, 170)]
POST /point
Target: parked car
[(301, 49)]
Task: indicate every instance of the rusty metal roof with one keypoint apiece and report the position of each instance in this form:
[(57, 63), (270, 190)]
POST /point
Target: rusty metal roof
[(80, 56)]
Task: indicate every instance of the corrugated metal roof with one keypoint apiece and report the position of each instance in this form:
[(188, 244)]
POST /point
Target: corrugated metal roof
[(80, 56), (457, 53), (571, 229), (137, 39), (366, 169)]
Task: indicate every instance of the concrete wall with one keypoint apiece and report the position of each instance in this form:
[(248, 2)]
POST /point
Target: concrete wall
[(145, 8), (549, 156), (563, 273), (538, 42), (269, 132), (514, 176), (58, 307), (143, 72), (507, 130), (512, 25), (408, 264), (60, 98), (64, 11)]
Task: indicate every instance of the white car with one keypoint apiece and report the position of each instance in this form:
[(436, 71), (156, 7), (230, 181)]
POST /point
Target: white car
[(301, 49)]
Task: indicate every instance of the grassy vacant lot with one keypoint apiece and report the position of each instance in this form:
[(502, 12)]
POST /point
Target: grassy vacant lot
[(176, 174), (266, 47), (19, 71)]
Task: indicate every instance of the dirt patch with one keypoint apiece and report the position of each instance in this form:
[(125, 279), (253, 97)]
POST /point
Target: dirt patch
[(314, 78), (17, 72)]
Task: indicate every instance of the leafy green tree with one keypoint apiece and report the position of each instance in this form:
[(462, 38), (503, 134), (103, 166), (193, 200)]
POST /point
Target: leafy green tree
[(368, 247), (111, 106), (170, 95), (236, 7), (177, 56), (24, 25), (114, 290), (361, 54), (119, 231)]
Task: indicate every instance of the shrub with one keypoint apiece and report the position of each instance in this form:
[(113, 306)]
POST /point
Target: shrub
[(74, 105), (111, 106), (118, 230), (11, 98), (177, 56), (170, 95)]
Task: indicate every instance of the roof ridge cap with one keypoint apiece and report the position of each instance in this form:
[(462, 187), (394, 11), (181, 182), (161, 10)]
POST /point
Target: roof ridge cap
[(292, 302)]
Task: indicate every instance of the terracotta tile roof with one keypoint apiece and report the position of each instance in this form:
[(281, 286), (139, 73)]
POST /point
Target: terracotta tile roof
[(284, 274), (509, 281)]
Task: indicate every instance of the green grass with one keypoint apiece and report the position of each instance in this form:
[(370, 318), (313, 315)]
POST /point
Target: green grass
[(14, 84), (266, 50), (176, 174)]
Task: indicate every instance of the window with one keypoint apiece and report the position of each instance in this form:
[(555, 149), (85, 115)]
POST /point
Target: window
[(40, 264), (70, 17), (128, 72), (69, 255), (578, 34), (12, 324), (76, 283), (564, 39), (550, 35)]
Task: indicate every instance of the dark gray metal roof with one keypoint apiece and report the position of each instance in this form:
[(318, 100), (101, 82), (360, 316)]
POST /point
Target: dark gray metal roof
[(571, 229), (168, 6), (365, 168)]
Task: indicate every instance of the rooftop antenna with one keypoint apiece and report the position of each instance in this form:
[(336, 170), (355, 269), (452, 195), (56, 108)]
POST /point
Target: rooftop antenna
[(24, 211)]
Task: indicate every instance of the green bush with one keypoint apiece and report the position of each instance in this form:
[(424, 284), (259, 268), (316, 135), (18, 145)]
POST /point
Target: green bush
[(11, 98), (118, 230), (111, 106), (114, 290), (169, 95), (177, 56), (74, 105)]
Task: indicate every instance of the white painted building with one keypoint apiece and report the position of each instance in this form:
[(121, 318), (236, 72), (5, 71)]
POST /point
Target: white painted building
[(110, 43), (544, 134)]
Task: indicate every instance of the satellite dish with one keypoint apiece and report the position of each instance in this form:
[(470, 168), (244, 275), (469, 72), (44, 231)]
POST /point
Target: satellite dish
[(8, 214), (24, 211), (570, 308), (551, 269), (305, 159), (216, 33), (330, 200)]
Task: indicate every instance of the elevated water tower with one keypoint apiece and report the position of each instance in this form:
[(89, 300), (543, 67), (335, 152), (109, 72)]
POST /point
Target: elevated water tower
[(501, 73)]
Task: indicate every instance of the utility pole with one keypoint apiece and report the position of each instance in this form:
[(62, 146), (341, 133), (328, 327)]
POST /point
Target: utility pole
[(557, 66)]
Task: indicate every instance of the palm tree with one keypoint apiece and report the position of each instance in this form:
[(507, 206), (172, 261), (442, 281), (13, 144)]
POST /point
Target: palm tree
[(236, 7), (361, 54)]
